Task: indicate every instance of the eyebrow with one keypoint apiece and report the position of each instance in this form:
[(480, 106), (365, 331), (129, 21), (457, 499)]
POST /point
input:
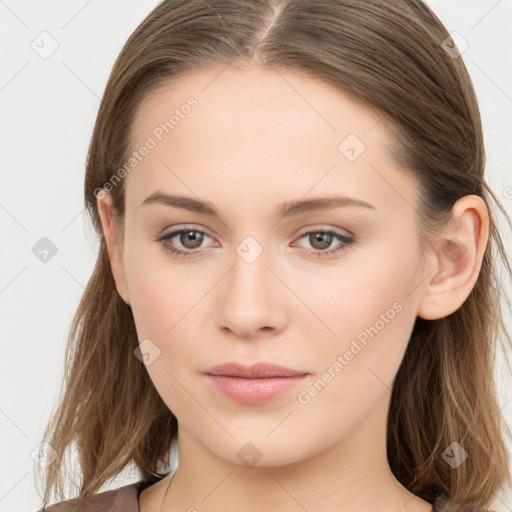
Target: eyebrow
[(285, 209)]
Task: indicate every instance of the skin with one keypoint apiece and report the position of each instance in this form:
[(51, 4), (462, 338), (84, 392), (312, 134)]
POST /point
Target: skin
[(256, 138)]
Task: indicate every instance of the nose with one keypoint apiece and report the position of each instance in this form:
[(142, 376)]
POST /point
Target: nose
[(251, 298)]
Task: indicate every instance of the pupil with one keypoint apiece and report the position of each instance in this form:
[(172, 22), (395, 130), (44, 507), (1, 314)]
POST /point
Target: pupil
[(192, 237), (321, 237)]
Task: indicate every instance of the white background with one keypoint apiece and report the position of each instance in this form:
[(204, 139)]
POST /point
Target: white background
[(48, 108)]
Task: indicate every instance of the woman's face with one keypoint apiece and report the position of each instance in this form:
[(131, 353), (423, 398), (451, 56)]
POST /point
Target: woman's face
[(255, 287)]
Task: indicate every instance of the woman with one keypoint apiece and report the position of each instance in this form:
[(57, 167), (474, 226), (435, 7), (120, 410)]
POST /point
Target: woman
[(297, 284)]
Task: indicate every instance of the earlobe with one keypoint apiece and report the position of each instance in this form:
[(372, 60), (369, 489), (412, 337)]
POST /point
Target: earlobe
[(458, 258), (108, 222)]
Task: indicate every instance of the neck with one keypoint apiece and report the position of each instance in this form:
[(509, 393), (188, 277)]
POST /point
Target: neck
[(353, 475)]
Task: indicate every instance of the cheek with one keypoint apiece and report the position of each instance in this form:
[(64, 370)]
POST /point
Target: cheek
[(372, 313), (343, 300), (171, 303), (357, 366), (161, 291), (165, 302)]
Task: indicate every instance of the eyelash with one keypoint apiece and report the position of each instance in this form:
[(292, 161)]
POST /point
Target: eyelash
[(347, 242)]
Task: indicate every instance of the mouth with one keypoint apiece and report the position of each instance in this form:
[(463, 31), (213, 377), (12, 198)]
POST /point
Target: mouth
[(254, 384)]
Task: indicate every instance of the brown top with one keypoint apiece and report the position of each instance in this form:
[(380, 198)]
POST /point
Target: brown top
[(126, 499), (122, 499)]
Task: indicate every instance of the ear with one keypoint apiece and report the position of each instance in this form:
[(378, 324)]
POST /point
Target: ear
[(109, 224), (458, 257)]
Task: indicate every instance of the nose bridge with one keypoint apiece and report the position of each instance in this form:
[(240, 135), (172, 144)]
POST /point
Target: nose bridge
[(249, 295), (250, 275)]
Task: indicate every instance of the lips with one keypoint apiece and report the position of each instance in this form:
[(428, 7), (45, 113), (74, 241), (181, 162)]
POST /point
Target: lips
[(254, 384), (256, 371)]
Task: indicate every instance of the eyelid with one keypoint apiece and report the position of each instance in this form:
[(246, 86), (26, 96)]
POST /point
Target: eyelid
[(185, 227), (325, 229)]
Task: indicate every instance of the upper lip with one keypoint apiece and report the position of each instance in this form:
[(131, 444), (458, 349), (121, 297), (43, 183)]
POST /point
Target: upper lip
[(258, 370)]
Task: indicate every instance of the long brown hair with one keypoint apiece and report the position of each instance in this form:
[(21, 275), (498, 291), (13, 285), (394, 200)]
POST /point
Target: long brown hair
[(389, 56)]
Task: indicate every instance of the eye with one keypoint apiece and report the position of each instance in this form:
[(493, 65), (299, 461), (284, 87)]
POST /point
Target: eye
[(189, 238), (320, 240), (190, 241)]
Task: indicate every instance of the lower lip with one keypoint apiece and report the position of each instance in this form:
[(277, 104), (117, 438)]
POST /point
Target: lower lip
[(254, 391)]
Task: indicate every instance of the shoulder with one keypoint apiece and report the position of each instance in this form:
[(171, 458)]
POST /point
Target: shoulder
[(122, 499)]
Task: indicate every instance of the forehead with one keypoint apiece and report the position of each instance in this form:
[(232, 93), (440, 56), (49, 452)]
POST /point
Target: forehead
[(253, 100), (259, 131)]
